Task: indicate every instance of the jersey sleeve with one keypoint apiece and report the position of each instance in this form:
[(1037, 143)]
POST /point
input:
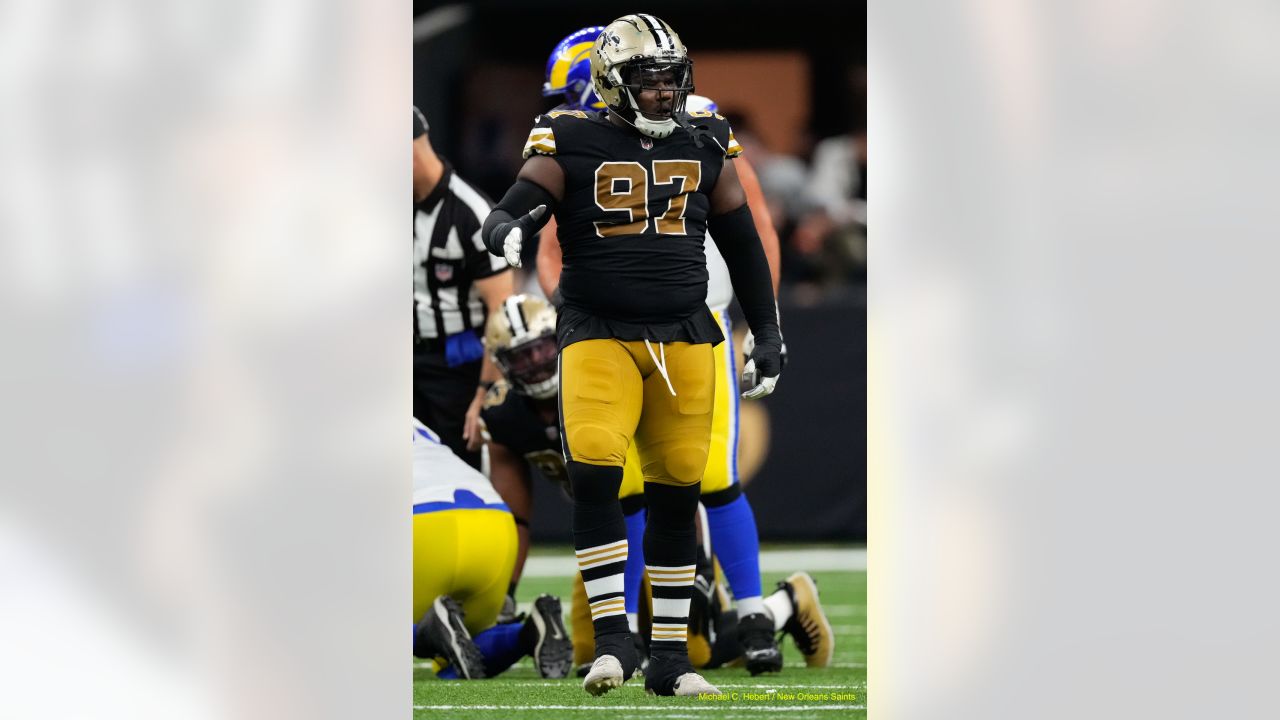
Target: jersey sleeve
[(542, 138)]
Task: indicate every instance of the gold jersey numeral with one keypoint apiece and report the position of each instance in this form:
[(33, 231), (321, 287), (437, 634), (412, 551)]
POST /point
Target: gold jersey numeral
[(666, 171), (624, 187)]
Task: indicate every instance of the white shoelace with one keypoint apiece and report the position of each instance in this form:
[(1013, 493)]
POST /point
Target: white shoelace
[(662, 365)]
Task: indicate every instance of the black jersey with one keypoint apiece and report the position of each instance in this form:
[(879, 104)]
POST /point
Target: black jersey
[(632, 224), (512, 420)]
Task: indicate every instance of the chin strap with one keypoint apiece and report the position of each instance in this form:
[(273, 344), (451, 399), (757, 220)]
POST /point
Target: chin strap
[(636, 112)]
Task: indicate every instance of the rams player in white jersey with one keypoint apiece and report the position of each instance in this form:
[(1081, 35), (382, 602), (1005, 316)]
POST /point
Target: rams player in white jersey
[(464, 546)]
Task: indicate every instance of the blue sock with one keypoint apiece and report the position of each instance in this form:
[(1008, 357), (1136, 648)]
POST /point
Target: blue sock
[(500, 646), (634, 572), (736, 544)]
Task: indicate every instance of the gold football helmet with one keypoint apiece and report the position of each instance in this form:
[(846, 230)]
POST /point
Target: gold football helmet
[(628, 53), (521, 338)]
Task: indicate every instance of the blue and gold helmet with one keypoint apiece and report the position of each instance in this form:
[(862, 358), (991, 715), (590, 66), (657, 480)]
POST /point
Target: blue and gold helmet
[(569, 70)]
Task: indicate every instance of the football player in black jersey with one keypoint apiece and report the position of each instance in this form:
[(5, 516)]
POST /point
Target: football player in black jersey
[(729, 516), (634, 189)]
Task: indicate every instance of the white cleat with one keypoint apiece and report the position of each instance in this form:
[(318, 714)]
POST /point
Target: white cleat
[(605, 675), (693, 685)]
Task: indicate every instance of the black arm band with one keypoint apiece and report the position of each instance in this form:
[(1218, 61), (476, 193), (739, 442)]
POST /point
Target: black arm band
[(735, 234), (523, 197)]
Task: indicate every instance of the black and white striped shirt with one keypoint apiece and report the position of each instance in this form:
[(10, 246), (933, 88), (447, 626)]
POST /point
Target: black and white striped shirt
[(448, 257)]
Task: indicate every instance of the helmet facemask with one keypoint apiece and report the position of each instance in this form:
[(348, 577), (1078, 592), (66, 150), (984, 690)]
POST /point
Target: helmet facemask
[(531, 365), (672, 78)]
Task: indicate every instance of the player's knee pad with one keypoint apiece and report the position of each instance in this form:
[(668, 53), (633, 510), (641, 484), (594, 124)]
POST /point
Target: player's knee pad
[(682, 465), (593, 442)]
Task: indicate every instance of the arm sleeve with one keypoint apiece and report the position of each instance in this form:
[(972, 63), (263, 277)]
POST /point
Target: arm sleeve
[(735, 234), (523, 197)]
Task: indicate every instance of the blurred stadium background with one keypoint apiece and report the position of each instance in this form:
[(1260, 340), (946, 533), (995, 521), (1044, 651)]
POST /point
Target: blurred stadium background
[(792, 79)]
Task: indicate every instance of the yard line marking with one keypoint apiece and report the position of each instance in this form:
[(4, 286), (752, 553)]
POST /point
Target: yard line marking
[(843, 609), (849, 629), (770, 708), (771, 686), (771, 561)]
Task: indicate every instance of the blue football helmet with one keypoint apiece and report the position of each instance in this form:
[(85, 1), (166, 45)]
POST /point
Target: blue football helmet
[(703, 103), (569, 70)]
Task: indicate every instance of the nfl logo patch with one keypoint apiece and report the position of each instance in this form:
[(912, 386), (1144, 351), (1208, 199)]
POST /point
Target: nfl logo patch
[(646, 143), (444, 273)]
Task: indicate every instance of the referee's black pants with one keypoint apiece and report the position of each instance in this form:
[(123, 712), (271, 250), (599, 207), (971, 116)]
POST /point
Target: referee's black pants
[(441, 396)]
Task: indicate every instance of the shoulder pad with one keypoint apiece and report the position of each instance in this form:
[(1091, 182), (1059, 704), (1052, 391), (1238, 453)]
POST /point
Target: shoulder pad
[(571, 113), (719, 129)]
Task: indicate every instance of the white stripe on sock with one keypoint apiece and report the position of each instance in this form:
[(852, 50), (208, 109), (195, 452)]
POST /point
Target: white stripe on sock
[(608, 584), (670, 607)]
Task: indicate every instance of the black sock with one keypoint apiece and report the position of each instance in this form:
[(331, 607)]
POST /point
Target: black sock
[(670, 553), (600, 542)]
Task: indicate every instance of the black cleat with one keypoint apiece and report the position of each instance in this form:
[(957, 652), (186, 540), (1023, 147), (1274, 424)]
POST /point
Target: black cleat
[(671, 674), (759, 646), (442, 633), (552, 652)]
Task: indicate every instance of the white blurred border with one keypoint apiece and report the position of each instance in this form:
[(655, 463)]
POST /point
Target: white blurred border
[(1073, 267), (204, 503)]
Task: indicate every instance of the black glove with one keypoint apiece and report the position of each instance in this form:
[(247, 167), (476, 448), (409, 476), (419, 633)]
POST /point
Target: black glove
[(763, 366)]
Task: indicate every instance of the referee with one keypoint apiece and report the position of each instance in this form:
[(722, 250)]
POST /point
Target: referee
[(456, 284)]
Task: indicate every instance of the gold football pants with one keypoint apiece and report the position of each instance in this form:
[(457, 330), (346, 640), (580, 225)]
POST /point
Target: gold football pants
[(614, 391), (722, 460)]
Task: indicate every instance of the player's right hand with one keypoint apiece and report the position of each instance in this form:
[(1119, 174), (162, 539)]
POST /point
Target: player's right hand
[(514, 232)]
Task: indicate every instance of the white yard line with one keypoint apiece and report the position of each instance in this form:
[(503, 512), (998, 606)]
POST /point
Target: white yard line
[(771, 561), (843, 610), (765, 687), (718, 706)]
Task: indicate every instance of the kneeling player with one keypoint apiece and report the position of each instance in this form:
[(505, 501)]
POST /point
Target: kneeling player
[(463, 550)]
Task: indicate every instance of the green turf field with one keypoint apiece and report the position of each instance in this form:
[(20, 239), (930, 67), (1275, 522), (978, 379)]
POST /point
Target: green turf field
[(797, 692)]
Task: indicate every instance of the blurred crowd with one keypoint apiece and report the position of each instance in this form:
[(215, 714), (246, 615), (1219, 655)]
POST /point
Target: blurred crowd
[(818, 204)]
